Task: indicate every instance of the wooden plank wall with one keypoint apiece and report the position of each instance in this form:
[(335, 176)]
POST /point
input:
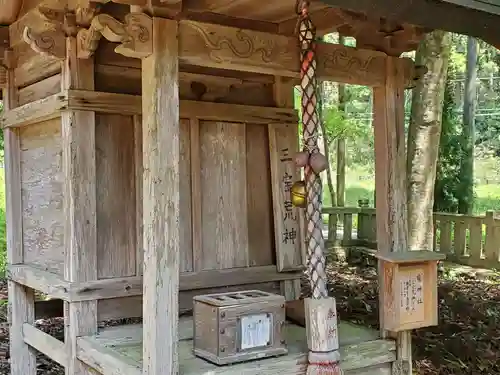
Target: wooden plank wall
[(116, 213), (236, 199), (42, 200)]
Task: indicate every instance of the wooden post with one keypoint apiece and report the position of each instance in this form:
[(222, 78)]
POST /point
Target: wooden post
[(21, 299), (322, 336), (390, 183), (79, 171), (160, 132), (491, 246)]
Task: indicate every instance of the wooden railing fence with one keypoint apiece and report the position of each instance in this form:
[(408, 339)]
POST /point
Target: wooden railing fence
[(467, 240)]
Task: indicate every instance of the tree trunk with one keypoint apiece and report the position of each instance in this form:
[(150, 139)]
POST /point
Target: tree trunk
[(341, 150), (423, 137), (466, 197), (325, 145)]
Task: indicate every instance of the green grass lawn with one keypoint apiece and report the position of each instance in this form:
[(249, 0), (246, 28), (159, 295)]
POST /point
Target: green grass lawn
[(487, 196)]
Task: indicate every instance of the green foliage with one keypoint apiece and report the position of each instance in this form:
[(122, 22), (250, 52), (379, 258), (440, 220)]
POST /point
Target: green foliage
[(358, 134), (447, 185)]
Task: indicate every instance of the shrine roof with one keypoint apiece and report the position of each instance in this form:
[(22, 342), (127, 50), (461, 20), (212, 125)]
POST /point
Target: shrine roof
[(478, 18), (352, 18)]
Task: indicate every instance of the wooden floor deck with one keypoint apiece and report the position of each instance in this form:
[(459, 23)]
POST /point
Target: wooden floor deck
[(118, 350)]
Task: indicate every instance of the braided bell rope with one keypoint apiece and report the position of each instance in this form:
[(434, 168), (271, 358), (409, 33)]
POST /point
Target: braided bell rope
[(310, 123)]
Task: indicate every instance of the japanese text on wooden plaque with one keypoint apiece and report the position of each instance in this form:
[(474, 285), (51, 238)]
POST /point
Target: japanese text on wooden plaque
[(283, 145), (289, 234), (411, 298)]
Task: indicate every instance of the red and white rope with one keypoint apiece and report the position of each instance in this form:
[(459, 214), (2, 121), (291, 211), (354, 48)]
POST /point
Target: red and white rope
[(310, 130)]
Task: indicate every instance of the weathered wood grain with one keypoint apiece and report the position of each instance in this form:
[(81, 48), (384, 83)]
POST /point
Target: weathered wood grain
[(45, 343), (40, 90), (21, 301), (196, 195), (30, 113), (224, 200), (116, 224), (42, 194), (259, 199), (139, 170), (390, 180), (362, 353), (185, 202), (55, 286), (284, 97), (124, 104), (79, 172), (161, 215), (283, 144)]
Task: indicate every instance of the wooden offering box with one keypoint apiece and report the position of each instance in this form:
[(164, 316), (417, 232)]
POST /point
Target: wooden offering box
[(410, 289), (239, 326)]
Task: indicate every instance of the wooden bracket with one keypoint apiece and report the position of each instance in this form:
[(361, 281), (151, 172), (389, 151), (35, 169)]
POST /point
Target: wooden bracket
[(63, 23), (49, 42), (135, 35), (70, 21), (380, 34)]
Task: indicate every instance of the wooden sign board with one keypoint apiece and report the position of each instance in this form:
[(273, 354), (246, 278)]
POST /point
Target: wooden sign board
[(410, 289), (283, 145)]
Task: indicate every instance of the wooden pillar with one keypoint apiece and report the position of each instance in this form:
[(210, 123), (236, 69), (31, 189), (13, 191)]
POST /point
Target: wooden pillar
[(390, 180), (160, 132), (79, 171), (21, 299)]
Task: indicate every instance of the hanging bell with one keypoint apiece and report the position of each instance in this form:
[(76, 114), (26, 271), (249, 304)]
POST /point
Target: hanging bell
[(298, 194)]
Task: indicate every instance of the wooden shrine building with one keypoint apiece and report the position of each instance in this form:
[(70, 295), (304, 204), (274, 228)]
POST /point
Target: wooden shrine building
[(149, 154)]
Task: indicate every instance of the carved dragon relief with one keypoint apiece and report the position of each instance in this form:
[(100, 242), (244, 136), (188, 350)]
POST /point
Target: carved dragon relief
[(242, 45), (348, 63), (135, 35)]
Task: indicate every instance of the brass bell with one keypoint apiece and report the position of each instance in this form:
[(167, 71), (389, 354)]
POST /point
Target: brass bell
[(298, 194)]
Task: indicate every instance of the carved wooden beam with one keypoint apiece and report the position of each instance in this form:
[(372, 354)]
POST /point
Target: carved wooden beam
[(217, 46), (135, 35), (52, 40), (214, 46)]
